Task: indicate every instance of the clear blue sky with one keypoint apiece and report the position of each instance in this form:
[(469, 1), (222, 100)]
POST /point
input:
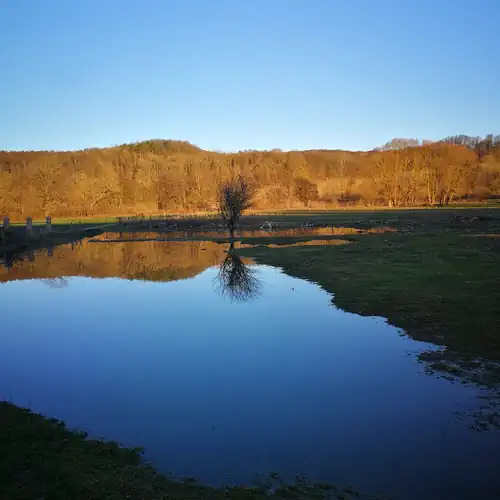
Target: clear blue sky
[(238, 74)]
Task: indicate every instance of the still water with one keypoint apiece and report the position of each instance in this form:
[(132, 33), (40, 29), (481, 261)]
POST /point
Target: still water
[(225, 377)]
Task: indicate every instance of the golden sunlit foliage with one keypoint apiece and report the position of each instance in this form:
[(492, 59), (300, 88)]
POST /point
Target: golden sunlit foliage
[(172, 176)]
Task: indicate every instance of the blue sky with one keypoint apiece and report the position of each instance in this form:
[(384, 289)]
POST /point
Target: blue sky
[(245, 74)]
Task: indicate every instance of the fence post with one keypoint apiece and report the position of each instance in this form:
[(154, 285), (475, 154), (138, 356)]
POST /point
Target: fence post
[(29, 226), (48, 224), (3, 229)]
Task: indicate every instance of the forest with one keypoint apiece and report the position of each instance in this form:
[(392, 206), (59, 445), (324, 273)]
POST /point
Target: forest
[(166, 176)]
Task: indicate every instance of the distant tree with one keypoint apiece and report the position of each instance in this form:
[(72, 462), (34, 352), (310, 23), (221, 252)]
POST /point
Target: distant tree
[(305, 190), (233, 198), (462, 140), (173, 176), (482, 146), (346, 180), (295, 163), (395, 144)]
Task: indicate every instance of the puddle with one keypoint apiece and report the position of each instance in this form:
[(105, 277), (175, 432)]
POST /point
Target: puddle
[(298, 243), (222, 234)]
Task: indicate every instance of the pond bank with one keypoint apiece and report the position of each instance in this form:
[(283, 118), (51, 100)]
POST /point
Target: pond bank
[(41, 458)]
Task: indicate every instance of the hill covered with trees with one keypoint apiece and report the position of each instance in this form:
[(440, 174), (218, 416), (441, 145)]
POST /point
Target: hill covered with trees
[(173, 176)]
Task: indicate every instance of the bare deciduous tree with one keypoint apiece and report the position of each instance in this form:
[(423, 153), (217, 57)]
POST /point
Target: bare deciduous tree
[(305, 190), (233, 198)]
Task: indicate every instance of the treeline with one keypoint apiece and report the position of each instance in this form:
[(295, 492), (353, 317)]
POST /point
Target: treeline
[(172, 176)]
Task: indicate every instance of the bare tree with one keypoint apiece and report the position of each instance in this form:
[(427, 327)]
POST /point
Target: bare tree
[(305, 190), (233, 198), (342, 172)]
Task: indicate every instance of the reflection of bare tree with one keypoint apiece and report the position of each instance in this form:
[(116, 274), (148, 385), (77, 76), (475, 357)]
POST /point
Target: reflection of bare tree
[(235, 279)]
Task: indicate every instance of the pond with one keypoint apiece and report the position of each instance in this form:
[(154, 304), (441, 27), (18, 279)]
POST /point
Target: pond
[(225, 370)]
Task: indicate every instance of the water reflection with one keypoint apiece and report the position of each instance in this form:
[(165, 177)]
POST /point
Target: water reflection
[(147, 261), (288, 232), (235, 279), (9, 259), (150, 359)]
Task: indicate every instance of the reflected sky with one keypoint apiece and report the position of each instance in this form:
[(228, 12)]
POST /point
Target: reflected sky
[(225, 390)]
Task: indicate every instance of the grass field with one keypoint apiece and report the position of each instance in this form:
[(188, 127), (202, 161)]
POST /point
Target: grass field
[(443, 288), (298, 213)]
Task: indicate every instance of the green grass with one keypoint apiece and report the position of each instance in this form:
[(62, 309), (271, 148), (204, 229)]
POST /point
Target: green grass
[(356, 216), (41, 458), (491, 203), (70, 221), (296, 214)]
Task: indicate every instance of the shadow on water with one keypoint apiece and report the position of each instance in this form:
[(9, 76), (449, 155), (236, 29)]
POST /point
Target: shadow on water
[(235, 279)]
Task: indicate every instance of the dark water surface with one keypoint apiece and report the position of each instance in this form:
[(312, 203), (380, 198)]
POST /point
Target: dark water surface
[(133, 342)]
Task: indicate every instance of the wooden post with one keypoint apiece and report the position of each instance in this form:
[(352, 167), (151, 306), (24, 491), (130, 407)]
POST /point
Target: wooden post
[(48, 224), (31, 255), (29, 226), (4, 228)]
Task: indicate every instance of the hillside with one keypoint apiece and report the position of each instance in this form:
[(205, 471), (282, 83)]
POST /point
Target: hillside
[(174, 176)]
